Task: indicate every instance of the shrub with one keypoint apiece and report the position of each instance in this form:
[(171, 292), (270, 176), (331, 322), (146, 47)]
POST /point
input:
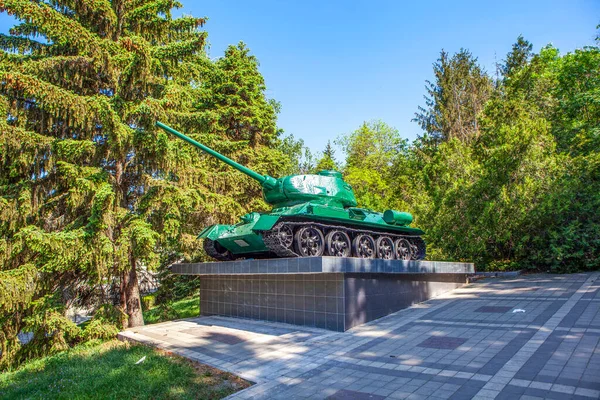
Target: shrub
[(148, 302), (97, 329)]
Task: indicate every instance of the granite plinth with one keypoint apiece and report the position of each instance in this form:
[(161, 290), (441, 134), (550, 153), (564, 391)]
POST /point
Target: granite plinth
[(321, 265), (323, 292)]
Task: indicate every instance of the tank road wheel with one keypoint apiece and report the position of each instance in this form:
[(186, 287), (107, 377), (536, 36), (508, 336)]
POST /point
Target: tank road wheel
[(286, 236), (338, 244), (309, 242), (363, 246), (385, 248), (403, 250), (216, 251)]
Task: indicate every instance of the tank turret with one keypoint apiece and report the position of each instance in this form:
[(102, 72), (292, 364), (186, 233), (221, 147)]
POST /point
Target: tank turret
[(312, 215)]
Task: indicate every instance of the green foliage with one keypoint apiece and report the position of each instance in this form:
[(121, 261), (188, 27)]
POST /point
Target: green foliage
[(292, 149), (105, 324), (518, 188), (327, 161), (167, 311), (301, 159), (506, 174), (52, 333), (234, 95), (17, 288), (109, 314), (518, 58), (97, 329), (370, 153), (148, 301), (455, 99), (89, 190)]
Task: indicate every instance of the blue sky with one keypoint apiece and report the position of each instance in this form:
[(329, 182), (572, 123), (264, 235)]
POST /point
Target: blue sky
[(335, 64)]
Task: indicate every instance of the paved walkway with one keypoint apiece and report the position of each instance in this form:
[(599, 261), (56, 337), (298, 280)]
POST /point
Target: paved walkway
[(471, 343)]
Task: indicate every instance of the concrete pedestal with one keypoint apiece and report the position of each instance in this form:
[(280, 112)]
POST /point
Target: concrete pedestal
[(323, 292)]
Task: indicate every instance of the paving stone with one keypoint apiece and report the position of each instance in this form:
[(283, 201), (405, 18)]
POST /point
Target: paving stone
[(442, 342), (488, 393), (513, 390), (520, 382), (352, 395), (595, 394), (494, 386), (465, 345), (493, 309), (399, 395), (563, 389)]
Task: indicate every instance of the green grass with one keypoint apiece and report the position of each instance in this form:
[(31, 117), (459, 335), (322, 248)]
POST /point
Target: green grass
[(108, 371), (185, 308)]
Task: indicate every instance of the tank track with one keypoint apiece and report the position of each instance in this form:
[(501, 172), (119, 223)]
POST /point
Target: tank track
[(273, 242), (420, 247), (211, 250)]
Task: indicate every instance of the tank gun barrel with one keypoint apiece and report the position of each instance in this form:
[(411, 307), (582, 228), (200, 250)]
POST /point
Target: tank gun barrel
[(264, 180)]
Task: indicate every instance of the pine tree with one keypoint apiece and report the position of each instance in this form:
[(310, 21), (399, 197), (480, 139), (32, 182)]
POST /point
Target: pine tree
[(519, 56), (89, 189), (455, 98), (327, 161)]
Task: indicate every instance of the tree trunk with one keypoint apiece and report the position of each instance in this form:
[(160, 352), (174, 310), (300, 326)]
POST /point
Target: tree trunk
[(123, 296), (132, 293)]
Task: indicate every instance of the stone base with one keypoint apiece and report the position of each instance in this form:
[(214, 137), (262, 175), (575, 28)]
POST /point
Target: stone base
[(331, 300)]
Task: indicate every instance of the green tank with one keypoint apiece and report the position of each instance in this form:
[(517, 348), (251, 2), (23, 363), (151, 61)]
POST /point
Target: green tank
[(312, 215)]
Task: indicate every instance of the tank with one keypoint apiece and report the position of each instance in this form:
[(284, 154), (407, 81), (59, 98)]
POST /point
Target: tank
[(312, 215)]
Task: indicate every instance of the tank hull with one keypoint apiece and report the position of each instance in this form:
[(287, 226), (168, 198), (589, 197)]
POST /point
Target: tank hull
[(313, 229)]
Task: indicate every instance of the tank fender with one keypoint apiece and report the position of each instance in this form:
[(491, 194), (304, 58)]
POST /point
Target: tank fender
[(265, 222), (211, 232)]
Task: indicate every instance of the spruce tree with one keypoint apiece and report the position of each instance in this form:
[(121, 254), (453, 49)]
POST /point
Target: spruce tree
[(519, 57), (79, 79), (455, 98), (327, 161), (89, 189)]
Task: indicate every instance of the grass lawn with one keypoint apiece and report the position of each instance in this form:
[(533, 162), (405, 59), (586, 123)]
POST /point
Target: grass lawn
[(108, 371), (185, 308)]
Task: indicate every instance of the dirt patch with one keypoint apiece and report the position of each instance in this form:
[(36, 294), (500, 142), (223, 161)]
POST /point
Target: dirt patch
[(220, 381)]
